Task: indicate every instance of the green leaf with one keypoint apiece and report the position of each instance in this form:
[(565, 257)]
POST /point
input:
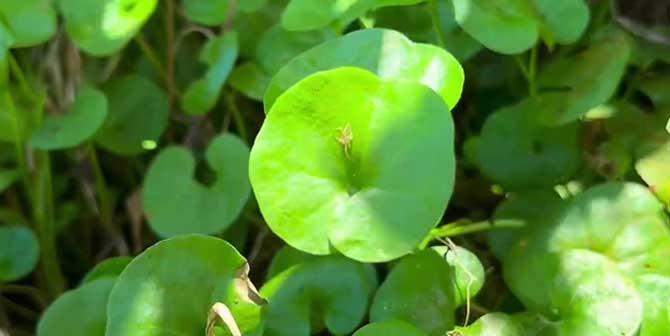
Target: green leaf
[(219, 54), (387, 53), (302, 15), (653, 164), (31, 22), (657, 89), (316, 293), (389, 328), (103, 27), (15, 120), (195, 208), (7, 178), (79, 312), (252, 5), (170, 288), (19, 252), (426, 288), (111, 267), (125, 129), (493, 324), (250, 79), (6, 41), (346, 148), (571, 86), (512, 27), (86, 116), (654, 290), (207, 12), (278, 46), (518, 152)]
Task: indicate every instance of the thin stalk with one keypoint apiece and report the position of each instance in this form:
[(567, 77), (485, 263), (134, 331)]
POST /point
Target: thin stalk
[(237, 117), (532, 72), (170, 50), (19, 147), (20, 77), (463, 227)]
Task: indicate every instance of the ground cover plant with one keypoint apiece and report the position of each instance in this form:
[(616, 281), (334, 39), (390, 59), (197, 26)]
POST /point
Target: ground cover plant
[(334, 167)]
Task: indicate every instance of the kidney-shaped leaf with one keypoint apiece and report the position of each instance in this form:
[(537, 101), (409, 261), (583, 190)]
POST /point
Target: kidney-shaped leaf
[(313, 293), (138, 112), (219, 54), (31, 22), (426, 288), (346, 161), (170, 288), (301, 15), (102, 27), (79, 312), (176, 204), (387, 53), (19, 252), (519, 152), (85, 117), (389, 328)]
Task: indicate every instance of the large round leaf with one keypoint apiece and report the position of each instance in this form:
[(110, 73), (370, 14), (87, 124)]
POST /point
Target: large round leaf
[(177, 204), (314, 293), (170, 288), (346, 161), (31, 22), (138, 112), (85, 117), (429, 301), (519, 152), (387, 53), (389, 328), (572, 85), (102, 27), (219, 55), (19, 252), (79, 312)]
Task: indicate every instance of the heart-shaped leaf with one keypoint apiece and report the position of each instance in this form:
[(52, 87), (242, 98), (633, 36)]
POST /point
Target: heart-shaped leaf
[(79, 312), (387, 53), (107, 268), (518, 152), (314, 293), (429, 301), (31, 22), (156, 294), (219, 54), (571, 86), (103, 27), (512, 27), (362, 179), (389, 328), (125, 130), (207, 12), (87, 114), (19, 252), (176, 204)]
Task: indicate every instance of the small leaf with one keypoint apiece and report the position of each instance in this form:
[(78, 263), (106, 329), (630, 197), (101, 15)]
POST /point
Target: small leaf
[(176, 204), (19, 252), (492, 324), (125, 129), (428, 301), (316, 293), (156, 294), (360, 140), (219, 55), (207, 12), (653, 165), (278, 46), (386, 53), (518, 152), (31, 22), (79, 312), (302, 15), (250, 79), (108, 268), (389, 328), (86, 116), (103, 27)]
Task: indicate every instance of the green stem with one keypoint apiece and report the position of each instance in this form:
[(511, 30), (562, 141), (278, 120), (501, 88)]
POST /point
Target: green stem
[(19, 146), (20, 77), (101, 186), (435, 20), (463, 227), (237, 117)]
